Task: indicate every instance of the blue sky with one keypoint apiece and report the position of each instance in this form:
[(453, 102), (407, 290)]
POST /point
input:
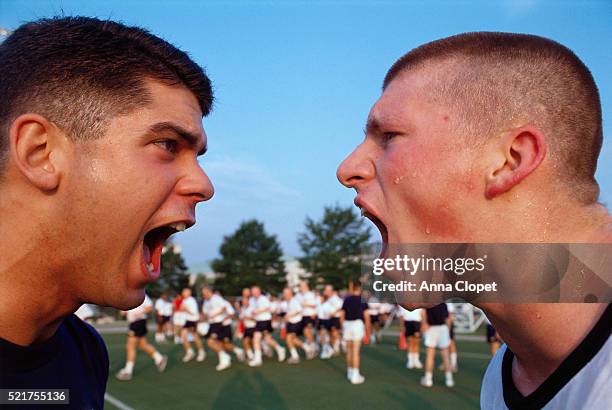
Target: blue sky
[(294, 82)]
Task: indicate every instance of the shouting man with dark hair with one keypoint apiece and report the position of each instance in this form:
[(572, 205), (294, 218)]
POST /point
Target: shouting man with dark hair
[(494, 138), (100, 132)]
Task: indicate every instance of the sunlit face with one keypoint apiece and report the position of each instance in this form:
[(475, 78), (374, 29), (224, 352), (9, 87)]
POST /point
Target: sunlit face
[(186, 293), (256, 292), (130, 189), (413, 174), (303, 287), (287, 294)]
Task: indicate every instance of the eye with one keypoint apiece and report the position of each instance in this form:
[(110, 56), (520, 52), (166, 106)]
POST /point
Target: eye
[(168, 144), (388, 136)]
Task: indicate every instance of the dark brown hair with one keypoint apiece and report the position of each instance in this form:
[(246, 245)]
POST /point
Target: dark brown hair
[(80, 72)]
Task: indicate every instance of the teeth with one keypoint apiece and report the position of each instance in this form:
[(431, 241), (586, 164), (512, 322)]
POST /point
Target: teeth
[(180, 226), (150, 267)]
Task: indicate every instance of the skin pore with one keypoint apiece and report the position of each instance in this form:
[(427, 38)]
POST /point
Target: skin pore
[(420, 180), (79, 211)]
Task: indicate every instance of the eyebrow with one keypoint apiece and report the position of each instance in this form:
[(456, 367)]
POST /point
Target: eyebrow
[(372, 125), (192, 139)]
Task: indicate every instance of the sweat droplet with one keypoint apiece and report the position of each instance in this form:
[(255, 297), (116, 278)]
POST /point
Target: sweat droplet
[(427, 230)]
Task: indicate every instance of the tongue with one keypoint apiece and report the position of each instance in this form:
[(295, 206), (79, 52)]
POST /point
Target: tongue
[(146, 254)]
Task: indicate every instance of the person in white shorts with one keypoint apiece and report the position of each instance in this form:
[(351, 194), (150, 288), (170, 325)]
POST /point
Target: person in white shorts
[(137, 322), (355, 320), (435, 324)]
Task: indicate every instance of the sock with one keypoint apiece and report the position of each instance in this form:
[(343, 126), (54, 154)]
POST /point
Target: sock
[(200, 351), (129, 367), (279, 349), (449, 375), (190, 351), (356, 372), (410, 357), (337, 345), (249, 354), (428, 375), (221, 356), (349, 372), (294, 353), (258, 355), (453, 360), (238, 351), (157, 357)]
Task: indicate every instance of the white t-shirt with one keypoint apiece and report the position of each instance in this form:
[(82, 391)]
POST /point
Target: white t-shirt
[(163, 307), (229, 312), (246, 314), (214, 309), (590, 388), (335, 302), (282, 307), (262, 303), (324, 311), (408, 316), (309, 303), (138, 312), (373, 306), (192, 311), (294, 310)]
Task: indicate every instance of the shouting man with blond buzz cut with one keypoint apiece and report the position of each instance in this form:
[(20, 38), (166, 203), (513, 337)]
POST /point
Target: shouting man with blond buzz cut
[(100, 132), (494, 138)]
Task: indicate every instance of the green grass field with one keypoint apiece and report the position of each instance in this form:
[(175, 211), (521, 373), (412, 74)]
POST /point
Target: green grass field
[(316, 384)]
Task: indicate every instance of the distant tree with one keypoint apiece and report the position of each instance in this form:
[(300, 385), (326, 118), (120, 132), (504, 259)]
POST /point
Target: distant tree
[(333, 246), (249, 256), (174, 276)]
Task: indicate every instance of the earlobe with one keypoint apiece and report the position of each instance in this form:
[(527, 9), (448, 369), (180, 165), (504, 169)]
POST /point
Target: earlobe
[(32, 150), (522, 151)]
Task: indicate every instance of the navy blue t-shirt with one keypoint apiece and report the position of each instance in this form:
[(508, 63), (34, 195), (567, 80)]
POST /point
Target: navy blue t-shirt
[(74, 358), (437, 315), (354, 307)]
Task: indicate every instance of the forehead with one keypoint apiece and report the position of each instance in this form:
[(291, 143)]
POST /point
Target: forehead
[(168, 104), (411, 93)]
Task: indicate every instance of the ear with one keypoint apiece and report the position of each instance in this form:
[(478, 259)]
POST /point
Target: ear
[(35, 149), (522, 150)]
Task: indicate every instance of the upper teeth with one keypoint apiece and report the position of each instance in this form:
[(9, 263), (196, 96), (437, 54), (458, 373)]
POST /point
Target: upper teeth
[(179, 226)]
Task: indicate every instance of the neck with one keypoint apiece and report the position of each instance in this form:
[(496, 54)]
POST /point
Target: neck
[(35, 294), (541, 336)]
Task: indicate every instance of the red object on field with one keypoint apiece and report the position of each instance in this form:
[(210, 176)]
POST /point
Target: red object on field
[(241, 327), (402, 343), (366, 339), (283, 332)]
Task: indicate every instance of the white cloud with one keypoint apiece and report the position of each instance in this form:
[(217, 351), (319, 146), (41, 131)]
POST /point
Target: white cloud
[(247, 178)]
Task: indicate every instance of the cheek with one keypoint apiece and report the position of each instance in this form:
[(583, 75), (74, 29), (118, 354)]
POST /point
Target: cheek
[(423, 183)]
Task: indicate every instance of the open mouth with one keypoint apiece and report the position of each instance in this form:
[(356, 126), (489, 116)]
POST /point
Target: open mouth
[(153, 245), (365, 212)]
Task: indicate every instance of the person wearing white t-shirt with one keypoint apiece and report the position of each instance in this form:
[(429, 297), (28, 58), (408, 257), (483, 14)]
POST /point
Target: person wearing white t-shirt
[(163, 313), (411, 329), (293, 323), (263, 328), (308, 300), (189, 307), (137, 322), (452, 348), (217, 312)]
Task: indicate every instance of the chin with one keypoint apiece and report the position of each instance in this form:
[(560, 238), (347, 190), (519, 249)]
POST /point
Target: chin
[(126, 299)]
